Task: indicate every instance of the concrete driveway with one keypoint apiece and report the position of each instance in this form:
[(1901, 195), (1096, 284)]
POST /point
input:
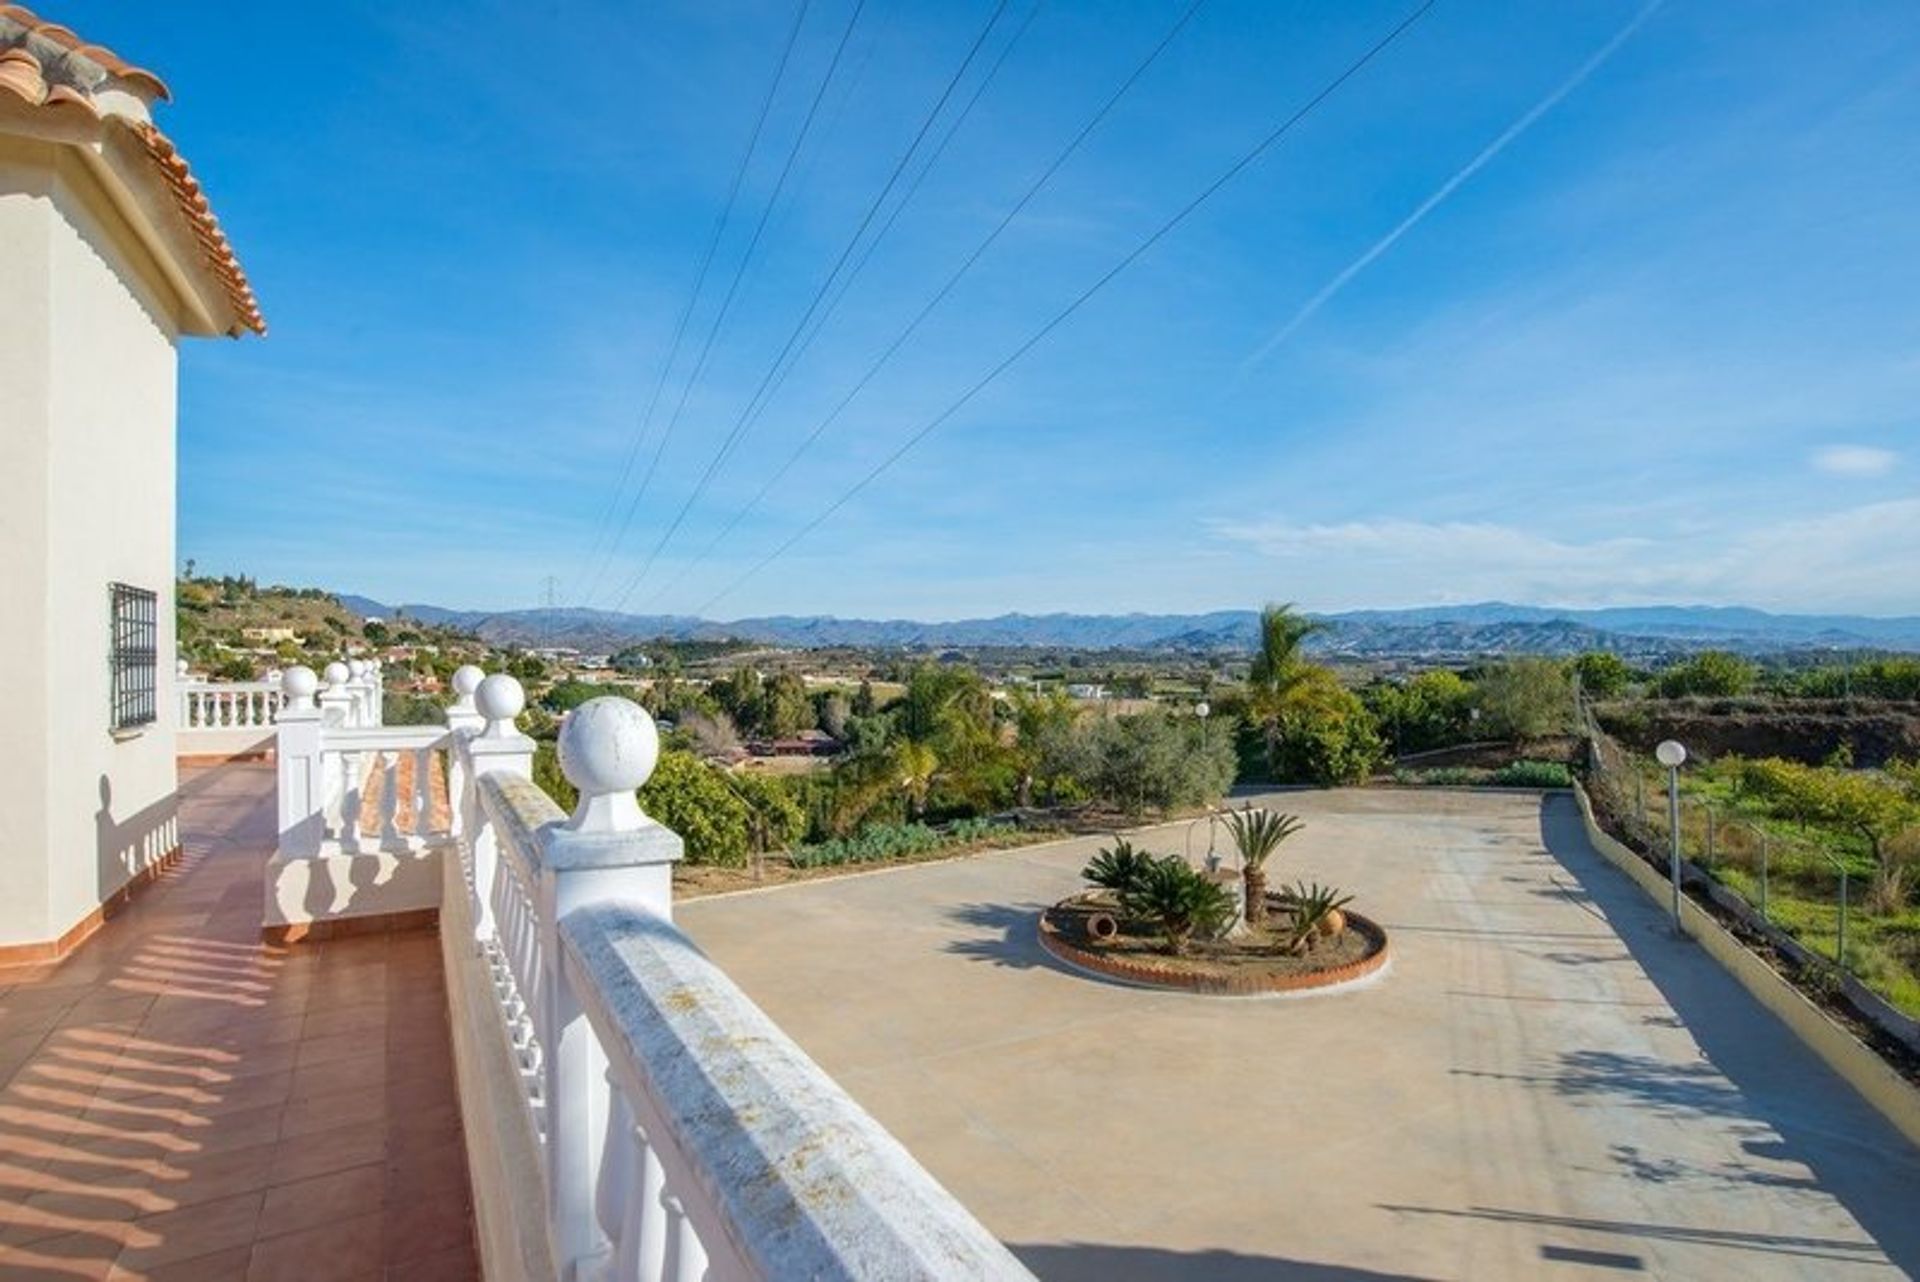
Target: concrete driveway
[(1544, 1085)]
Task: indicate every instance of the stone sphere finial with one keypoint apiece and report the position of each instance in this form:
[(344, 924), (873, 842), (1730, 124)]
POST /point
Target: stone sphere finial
[(608, 748), (357, 668), (180, 667), (500, 699), (466, 679), (337, 673), (298, 684)]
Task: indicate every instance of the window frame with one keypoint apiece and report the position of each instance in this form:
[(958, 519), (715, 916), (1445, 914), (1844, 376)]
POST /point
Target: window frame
[(133, 658)]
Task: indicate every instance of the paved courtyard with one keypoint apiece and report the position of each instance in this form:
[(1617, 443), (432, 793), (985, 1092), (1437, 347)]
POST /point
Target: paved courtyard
[(1544, 1085)]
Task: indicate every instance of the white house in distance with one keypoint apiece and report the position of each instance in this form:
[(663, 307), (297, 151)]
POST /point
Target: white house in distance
[(109, 254)]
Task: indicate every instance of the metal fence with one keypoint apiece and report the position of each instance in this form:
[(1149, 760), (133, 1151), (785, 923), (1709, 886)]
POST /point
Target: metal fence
[(1796, 884)]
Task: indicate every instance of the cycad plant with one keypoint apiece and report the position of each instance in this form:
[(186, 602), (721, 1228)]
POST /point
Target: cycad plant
[(1314, 908), (1179, 901), (1120, 868), (1256, 835)]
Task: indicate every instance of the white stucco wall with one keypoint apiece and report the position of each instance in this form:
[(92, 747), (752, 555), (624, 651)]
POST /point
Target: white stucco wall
[(90, 373)]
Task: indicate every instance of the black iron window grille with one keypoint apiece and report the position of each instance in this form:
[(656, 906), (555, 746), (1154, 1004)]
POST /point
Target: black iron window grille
[(133, 658)]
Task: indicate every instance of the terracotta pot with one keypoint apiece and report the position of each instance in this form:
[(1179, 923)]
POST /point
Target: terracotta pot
[(1102, 928)]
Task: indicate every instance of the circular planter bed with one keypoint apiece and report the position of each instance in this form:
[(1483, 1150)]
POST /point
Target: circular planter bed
[(1257, 963)]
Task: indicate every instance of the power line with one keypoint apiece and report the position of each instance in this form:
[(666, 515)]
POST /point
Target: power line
[(1033, 340), (605, 524), (733, 287), (939, 295), (738, 430), (900, 206)]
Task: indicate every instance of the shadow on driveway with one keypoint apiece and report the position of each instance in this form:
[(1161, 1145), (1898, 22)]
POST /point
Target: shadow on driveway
[(1795, 1108)]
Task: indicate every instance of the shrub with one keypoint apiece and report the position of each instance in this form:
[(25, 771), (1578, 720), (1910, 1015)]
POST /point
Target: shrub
[(1533, 774), (690, 797), (1179, 901), (1602, 675), (1152, 760), (1312, 905), (878, 842), (1119, 868), (1524, 698), (1429, 711), (1326, 736), (1444, 776), (1714, 673)]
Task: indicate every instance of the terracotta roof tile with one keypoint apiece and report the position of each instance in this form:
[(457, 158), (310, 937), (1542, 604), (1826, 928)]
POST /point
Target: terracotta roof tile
[(100, 54), (206, 228), (25, 76)]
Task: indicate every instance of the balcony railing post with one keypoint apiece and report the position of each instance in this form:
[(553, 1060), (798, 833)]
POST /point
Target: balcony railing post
[(336, 701), (463, 719), (298, 762), (497, 748), (362, 706), (609, 850)]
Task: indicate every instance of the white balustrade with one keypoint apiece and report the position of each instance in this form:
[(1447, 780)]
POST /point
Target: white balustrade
[(224, 705), (341, 777), (681, 1136)]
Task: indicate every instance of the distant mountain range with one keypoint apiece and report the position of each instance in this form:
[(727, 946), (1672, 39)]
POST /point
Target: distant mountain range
[(1490, 628)]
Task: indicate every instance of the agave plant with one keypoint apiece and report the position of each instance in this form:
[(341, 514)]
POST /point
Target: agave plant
[(1256, 835), (1316, 910), (1179, 900), (1120, 868)]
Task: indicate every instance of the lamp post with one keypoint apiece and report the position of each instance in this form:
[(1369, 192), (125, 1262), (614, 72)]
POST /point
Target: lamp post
[(1671, 755)]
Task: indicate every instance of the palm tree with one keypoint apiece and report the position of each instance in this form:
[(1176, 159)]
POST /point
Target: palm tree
[(1280, 673), (916, 765), (1256, 835)]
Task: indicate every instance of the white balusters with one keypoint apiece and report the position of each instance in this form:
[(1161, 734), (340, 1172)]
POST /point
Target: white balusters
[(682, 1137), (353, 776)]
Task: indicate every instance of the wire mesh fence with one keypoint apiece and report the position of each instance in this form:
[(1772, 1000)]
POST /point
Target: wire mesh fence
[(1795, 883)]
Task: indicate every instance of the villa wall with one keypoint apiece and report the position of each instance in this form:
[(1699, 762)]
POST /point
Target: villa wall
[(87, 354)]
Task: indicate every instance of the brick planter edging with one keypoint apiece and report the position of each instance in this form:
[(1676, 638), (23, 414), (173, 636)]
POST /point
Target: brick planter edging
[(1156, 975)]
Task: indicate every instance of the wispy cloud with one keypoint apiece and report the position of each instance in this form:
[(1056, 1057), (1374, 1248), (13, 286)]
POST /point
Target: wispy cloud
[(1853, 558), (1485, 156), (1854, 460)]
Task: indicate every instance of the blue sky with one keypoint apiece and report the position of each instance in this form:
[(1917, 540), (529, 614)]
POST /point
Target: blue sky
[(1663, 345)]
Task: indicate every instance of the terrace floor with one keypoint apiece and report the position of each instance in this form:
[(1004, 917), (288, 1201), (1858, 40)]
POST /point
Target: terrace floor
[(182, 1101), (1545, 1085)]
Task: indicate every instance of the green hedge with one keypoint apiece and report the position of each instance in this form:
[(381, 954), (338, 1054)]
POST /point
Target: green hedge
[(878, 842)]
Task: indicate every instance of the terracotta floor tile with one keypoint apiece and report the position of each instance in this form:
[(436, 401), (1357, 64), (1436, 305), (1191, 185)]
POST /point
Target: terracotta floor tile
[(426, 1226), (367, 1071), (316, 1113), (71, 1257), (345, 1251), (327, 1151), (180, 1101), (192, 1231), (457, 1264), (229, 1265), (343, 1019), (324, 1199)]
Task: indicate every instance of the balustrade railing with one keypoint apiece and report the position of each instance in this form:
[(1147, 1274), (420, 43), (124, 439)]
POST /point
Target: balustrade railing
[(681, 1136), (210, 715), (348, 784), (225, 705)]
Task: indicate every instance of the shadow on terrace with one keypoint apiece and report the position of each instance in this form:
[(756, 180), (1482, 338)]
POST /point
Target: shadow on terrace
[(181, 1100)]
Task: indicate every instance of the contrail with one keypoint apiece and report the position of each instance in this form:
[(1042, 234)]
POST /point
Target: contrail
[(1452, 184)]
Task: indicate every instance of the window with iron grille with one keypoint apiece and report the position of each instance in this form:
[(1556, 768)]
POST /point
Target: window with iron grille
[(132, 660)]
